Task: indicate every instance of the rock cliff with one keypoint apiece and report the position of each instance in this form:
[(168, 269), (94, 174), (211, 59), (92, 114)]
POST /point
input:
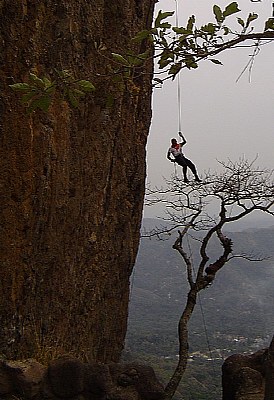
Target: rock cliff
[(72, 180)]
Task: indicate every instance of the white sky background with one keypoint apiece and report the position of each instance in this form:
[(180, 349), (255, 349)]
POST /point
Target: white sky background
[(221, 118)]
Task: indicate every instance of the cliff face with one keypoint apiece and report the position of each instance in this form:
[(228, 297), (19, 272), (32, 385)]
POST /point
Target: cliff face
[(72, 180)]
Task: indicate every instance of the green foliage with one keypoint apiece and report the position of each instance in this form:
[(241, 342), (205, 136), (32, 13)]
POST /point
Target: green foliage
[(176, 47), (38, 93), (191, 43), (220, 15), (245, 25), (142, 35), (163, 15), (269, 24), (124, 68)]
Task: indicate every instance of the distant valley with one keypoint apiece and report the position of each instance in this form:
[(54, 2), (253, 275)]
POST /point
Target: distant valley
[(235, 314)]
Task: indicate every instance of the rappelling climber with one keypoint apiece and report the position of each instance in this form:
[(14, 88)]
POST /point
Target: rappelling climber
[(176, 151)]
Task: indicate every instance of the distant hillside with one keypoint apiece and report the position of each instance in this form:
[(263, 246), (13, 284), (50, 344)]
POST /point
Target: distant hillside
[(237, 309)]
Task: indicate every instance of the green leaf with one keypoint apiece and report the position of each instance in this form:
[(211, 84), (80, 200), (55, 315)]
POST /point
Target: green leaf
[(20, 86), (137, 59), (50, 89), (232, 8), (42, 103), (180, 31), (141, 36), (218, 14), (87, 86), (144, 55), (190, 62), (162, 15), (174, 69), (209, 28), (72, 99), (38, 82), (215, 61), (47, 82), (120, 59), (163, 63), (251, 18), (241, 22), (165, 25), (78, 93), (28, 96), (269, 24)]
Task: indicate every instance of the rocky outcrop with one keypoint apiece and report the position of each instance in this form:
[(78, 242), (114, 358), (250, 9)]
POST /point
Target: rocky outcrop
[(68, 378), (244, 376)]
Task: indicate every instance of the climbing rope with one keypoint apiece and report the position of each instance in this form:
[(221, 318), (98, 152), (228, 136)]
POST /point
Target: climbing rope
[(178, 75), (178, 85), (132, 283)]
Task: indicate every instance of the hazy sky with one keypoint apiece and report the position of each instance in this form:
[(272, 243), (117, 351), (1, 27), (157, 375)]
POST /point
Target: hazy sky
[(221, 119)]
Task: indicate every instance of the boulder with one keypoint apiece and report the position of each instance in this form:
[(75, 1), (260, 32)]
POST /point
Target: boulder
[(69, 378), (21, 377), (66, 377), (243, 376)]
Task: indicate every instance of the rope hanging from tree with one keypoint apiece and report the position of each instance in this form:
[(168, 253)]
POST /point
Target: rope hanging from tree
[(178, 76), (179, 103), (176, 148)]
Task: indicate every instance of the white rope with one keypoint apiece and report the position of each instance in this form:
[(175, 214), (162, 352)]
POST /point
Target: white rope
[(178, 76)]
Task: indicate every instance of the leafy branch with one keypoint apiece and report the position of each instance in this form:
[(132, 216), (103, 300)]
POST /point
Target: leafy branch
[(184, 47), (38, 93), (192, 44), (175, 48)]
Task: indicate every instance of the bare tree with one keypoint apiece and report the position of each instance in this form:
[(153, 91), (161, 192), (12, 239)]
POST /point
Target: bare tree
[(239, 190)]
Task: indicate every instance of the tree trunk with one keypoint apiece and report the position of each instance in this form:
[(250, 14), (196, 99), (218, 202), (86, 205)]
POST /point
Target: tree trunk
[(179, 371), (72, 180)]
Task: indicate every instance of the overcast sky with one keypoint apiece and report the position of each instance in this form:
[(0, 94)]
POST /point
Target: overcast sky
[(221, 118)]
